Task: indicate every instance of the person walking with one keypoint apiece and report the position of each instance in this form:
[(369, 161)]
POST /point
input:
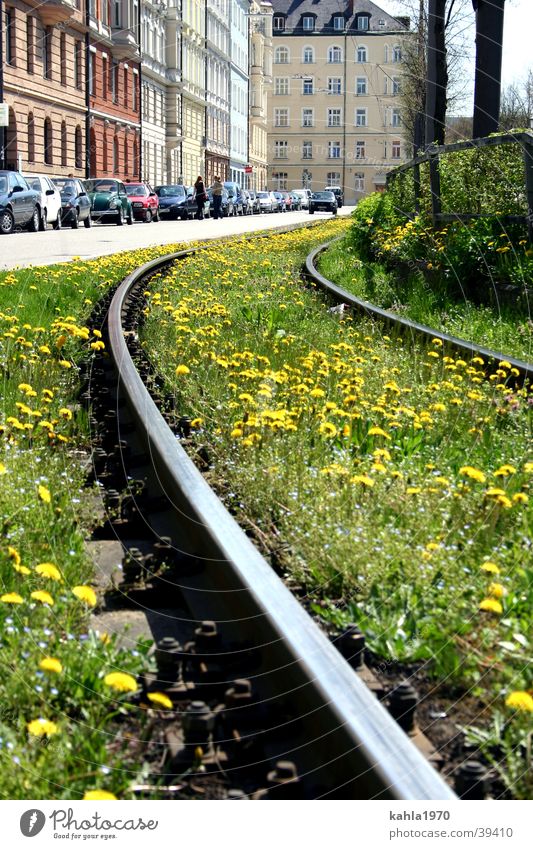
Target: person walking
[(217, 198), (201, 197)]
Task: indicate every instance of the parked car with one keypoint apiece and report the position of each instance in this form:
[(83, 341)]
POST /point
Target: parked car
[(192, 206), (265, 202), (304, 195), (296, 201), (144, 202), (75, 203), (177, 201), (339, 194), (276, 204), (324, 202), (50, 199), (235, 193), (288, 200), (109, 201), (247, 202), (254, 198), (20, 206), (227, 202)]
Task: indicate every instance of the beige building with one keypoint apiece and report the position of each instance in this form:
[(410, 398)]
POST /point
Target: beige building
[(260, 83), (193, 101), (333, 110)]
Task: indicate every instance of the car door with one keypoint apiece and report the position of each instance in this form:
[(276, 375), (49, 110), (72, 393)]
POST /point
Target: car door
[(123, 199), (53, 201), (19, 200)]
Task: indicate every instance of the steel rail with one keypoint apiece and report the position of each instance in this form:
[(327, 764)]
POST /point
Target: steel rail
[(470, 348), (345, 737)]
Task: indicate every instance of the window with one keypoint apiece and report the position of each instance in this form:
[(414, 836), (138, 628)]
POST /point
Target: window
[(334, 54), (333, 178), (278, 22), (281, 85), (115, 155), (397, 54), (361, 55), (308, 118), (126, 156), (334, 150), (360, 150), (78, 56), (47, 53), (363, 22), (307, 86), (30, 44), (281, 56), (281, 117), (308, 23), (307, 150), (114, 81), (396, 85), (334, 85), (281, 150), (396, 120), (396, 150), (105, 76), (10, 37), (361, 86), (64, 144), (63, 58), (117, 13), (126, 95), (104, 152), (134, 98), (280, 180), (338, 23), (334, 117), (31, 138), (359, 182), (78, 157), (48, 142), (360, 117), (308, 56), (92, 74)]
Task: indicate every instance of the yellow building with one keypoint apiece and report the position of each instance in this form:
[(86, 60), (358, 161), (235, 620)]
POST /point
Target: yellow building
[(260, 82), (193, 90), (334, 111)]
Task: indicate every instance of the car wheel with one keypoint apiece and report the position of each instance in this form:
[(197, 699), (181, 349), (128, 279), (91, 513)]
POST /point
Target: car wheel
[(35, 221), (129, 219), (75, 219), (88, 222), (7, 222), (57, 223), (184, 215), (120, 218), (43, 222), (311, 212), (157, 217), (148, 216)]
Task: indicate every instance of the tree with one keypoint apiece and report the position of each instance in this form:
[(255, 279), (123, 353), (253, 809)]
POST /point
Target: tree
[(516, 108), (489, 38)]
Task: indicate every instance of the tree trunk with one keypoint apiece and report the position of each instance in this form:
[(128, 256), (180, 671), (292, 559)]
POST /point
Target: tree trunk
[(437, 73), (489, 37)]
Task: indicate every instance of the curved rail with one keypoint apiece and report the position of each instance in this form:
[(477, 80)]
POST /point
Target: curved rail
[(344, 741), (340, 294)]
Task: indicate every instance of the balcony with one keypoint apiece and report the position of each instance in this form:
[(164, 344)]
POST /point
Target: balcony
[(54, 11), (257, 111), (124, 44)]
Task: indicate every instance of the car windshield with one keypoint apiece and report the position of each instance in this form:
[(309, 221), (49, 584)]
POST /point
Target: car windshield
[(263, 195), (136, 190), (170, 191), (66, 187), (34, 184), (101, 186), (322, 195)]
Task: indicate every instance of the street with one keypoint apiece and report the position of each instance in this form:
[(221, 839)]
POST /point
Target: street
[(25, 249)]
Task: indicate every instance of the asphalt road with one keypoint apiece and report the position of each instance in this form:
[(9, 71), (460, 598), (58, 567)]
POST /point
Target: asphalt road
[(24, 249)]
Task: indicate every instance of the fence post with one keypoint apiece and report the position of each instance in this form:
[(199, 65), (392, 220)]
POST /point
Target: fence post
[(528, 169), (416, 187), (434, 183)]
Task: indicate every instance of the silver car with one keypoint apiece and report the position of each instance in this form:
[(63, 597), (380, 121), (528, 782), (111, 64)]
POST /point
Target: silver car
[(265, 202)]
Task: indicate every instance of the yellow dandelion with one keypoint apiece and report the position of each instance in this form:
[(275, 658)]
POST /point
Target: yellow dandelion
[(488, 566), (362, 479), (51, 664), (327, 429), (378, 431), (160, 699), (490, 605), (49, 570), (520, 700), (98, 796), (474, 474), (520, 498), (12, 598), (496, 590), (42, 727), (504, 471), (413, 490), (44, 494), (13, 553), (43, 597), (182, 369), (3, 469), (528, 468), (121, 681), (86, 594)]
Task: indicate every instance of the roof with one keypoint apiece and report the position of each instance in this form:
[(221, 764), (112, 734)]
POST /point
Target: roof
[(325, 11)]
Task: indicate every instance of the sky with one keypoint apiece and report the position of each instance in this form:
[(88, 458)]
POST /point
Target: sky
[(517, 41)]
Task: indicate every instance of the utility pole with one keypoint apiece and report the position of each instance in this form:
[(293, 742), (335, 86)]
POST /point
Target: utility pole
[(437, 73), (487, 91), (419, 138)]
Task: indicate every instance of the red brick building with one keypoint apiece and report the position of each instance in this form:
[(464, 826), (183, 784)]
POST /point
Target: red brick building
[(114, 89)]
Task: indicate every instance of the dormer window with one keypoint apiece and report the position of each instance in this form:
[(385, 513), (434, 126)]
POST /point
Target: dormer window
[(363, 22), (338, 23), (308, 23), (278, 22)]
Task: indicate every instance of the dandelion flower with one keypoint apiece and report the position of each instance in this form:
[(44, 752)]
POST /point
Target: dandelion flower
[(471, 472), (51, 664), (378, 431), (48, 570), (44, 494), (86, 594), (520, 700), (3, 469), (327, 429), (42, 728), (496, 590), (182, 369), (362, 479), (98, 796), (12, 598), (160, 699), (490, 605), (43, 597), (504, 470), (488, 566), (121, 681)]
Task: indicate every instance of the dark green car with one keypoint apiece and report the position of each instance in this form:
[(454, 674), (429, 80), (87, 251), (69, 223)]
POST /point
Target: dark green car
[(109, 201)]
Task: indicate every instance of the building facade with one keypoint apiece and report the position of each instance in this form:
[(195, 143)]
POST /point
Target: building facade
[(154, 92), (217, 117), (239, 94), (334, 112), (44, 86), (260, 64), (193, 89)]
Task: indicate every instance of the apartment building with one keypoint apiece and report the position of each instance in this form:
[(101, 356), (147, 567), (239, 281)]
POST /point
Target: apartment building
[(154, 91), (239, 95), (217, 118), (44, 86), (334, 111), (193, 103), (260, 81)]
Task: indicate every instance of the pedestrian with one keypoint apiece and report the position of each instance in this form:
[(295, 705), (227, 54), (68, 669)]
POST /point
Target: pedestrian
[(217, 198), (201, 197)]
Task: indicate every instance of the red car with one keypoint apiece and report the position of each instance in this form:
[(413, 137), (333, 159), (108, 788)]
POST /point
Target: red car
[(144, 201)]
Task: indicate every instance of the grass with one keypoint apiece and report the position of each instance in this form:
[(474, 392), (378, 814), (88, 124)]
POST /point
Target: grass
[(390, 479), (503, 328)]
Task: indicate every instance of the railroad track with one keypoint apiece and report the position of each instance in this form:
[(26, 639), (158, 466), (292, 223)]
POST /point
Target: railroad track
[(264, 705)]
